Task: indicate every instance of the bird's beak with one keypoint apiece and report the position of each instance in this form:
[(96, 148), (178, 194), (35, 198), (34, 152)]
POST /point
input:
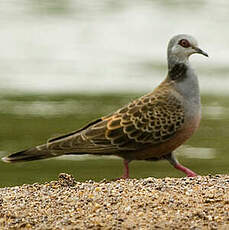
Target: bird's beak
[(200, 51)]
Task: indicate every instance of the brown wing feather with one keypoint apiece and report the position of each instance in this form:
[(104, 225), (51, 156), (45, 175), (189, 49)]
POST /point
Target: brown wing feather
[(74, 132), (151, 119)]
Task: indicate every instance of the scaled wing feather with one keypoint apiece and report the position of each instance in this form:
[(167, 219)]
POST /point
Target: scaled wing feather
[(151, 119)]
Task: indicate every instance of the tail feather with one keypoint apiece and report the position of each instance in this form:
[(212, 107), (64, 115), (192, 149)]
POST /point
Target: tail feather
[(35, 153)]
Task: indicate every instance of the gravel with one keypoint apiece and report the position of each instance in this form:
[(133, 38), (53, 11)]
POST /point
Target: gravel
[(169, 203)]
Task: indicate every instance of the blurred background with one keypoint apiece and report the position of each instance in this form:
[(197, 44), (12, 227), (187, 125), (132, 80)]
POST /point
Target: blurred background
[(65, 62)]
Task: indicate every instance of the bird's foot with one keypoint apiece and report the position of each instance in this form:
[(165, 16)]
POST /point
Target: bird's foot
[(187, 171)]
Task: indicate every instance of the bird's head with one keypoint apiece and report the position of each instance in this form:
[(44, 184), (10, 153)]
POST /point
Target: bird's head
[(182, 46)]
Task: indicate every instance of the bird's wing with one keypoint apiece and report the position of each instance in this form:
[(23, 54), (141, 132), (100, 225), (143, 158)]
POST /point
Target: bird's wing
[(151, 119)]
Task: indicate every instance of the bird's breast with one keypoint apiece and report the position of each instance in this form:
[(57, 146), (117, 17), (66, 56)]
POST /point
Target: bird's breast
[(182, 135)]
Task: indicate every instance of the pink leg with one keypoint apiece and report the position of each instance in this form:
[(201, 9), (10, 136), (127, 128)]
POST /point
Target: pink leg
[(172, 159), (126, 169), (187, 171)]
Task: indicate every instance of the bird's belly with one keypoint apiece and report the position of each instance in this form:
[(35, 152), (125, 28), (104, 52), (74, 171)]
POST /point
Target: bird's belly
[(157, 151)]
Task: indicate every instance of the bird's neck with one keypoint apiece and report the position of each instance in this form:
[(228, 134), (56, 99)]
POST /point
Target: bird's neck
[(178, 71), (173, 60), (178, 66), (184, 80)]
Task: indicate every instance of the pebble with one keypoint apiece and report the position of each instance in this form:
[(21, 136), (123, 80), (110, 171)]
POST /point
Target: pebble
[(169, 203)]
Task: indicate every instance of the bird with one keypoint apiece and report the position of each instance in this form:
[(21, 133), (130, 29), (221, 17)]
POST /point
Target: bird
[(148, 128)]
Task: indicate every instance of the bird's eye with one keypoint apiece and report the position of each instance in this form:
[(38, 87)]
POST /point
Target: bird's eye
[(185, 43)]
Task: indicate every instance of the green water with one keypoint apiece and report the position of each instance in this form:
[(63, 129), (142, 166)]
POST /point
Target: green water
[(30, 120)]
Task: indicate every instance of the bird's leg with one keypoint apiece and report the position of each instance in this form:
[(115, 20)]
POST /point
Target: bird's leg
[(172, 159), (126, 169)]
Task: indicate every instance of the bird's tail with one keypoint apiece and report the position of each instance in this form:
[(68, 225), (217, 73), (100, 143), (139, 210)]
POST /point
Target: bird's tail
[(35, 153)]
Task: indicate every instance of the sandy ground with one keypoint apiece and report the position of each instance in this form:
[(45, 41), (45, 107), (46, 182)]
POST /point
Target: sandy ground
[(169, 203)]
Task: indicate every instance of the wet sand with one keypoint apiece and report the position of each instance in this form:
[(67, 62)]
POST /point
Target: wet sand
[(169, 203)]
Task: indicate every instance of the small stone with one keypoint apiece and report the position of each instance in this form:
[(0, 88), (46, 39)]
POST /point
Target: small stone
[(66, 180), (169, 203)]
